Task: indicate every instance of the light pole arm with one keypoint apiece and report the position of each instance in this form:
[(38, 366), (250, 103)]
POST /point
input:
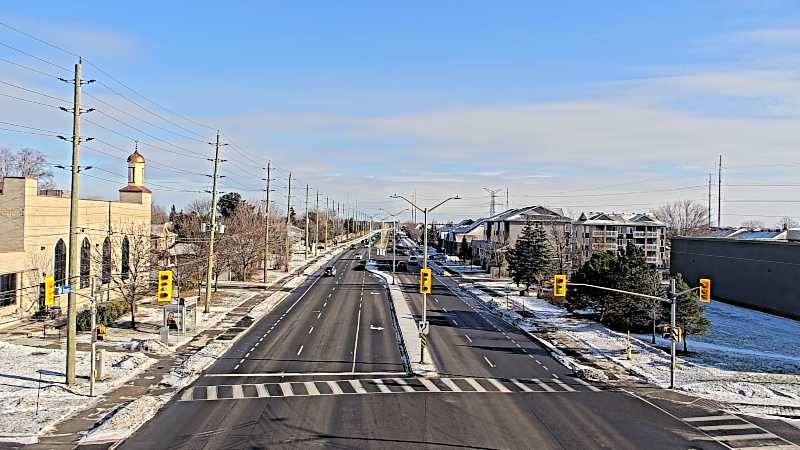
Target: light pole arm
[(443, 202), (407, 201)]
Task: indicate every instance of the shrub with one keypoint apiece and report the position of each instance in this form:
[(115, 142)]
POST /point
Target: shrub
[(107, 313)]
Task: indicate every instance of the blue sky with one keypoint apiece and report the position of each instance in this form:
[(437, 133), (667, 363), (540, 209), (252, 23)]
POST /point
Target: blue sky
[(363, 99)]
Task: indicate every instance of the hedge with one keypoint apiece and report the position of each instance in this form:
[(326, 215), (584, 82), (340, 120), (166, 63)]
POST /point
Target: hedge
[(107, 313)]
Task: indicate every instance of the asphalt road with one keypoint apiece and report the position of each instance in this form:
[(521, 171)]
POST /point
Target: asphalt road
[(319, 372)]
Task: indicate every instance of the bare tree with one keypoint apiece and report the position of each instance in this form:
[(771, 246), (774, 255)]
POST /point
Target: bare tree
[(158, 214), (6, 163), (786, 222), (131, 262), (26, 162), (683, 217), (242, 245), (559, 238)]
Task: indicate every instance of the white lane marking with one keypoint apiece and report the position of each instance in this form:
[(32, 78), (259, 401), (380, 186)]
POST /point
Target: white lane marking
[(488, 362), (325, 304), (451, 385), (545, 368), (311, 388), (237, 391), (297, 374), (403, 384), (211, 392), (521, 386), (744, 437), (468, 338), (444, 309), (335, 388), (256, 344), (743, 426), (455, 323), (187, 395), (241, 360), (710, 418), (299, 350), (590, 386), (262, 390), (247, 355), (357, 387), (286, 388), (236, 367), (436, 300), (381, 386), (429, 385), (563, 385), (310, 330), (355, 346), (542, 385), (500, 386), (475, 385), (319, 315)]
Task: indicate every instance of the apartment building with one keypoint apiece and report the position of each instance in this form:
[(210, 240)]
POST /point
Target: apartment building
[(599, 231)]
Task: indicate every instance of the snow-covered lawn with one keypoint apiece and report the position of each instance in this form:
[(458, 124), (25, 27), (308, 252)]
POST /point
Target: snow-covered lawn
[(747, 358), (22, 368)]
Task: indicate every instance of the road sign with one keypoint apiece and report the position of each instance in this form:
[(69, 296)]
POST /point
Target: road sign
[(49, 291), (65, 289), (559, 285), (677, 334), (424, 327), (705, 290), (423, 341), (425, 280), (164, 286)]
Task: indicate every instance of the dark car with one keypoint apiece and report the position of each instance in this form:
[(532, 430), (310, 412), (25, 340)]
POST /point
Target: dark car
[(330, 271)]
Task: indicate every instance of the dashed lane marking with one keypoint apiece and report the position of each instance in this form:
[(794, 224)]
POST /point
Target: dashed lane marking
[(299, 350), (310, 330), (468, 338), (488, 362)]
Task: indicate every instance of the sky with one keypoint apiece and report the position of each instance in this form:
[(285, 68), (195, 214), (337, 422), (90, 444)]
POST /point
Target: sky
[(585, 106)]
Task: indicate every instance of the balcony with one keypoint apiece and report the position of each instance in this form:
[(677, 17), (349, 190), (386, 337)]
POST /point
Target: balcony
[(651, 246), (652, 234), (639, 234)]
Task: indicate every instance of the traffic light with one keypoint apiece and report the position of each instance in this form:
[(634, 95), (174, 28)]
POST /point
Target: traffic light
[(705, 290), (559, 285), (677, 334), (164, 286), (49, 291), (425, 280)]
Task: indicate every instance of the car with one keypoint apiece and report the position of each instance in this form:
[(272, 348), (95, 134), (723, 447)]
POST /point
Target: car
[(352, 246), (330, 271), (413, 260)]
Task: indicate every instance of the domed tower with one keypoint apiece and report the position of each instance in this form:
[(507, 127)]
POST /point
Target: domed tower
[(135, 191)]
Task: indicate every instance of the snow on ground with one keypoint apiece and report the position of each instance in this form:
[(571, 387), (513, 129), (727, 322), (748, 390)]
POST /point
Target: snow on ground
[(21, 370), (747, 358)]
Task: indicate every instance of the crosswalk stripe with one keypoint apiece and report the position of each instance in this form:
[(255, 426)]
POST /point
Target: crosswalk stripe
[(429, 385), (563, 385), (451, 385), (521, 386), (475, 385), (286, 388), (403, 384), (211, 392), (311, 388), (187, 395), (542, 385), (746, 437), (710, 418), (588, 385), (500, 386), (262, 390), (743, 426), (357, 387), (335, 388), (237, 391), (381, 386)]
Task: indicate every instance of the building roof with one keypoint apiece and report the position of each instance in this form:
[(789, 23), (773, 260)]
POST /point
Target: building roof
[(136, 157), (602, 218), (535, 213), (131, 188)]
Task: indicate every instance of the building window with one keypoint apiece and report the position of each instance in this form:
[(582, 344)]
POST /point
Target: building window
[(86, 263), (8, 289), (130, 174), (105, 276), (125, 253), (60, 263)]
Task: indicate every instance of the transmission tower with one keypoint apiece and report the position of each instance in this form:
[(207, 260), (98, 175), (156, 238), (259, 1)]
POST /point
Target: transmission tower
[(493, 193)]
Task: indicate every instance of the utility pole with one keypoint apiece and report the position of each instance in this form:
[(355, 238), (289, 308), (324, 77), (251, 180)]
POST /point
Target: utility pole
[(327, 219), (672, 313), (266, 225), (93, 341), (305, 252), (316, 225), (719, 193), (74, 201), (507, 208), (213, 213), (289, 223), (709, 200)]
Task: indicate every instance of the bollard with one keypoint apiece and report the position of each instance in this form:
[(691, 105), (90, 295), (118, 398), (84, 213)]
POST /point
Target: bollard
[(101, 364)]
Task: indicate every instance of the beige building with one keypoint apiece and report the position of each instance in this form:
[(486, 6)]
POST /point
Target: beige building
[(597, 231), (34, 239)]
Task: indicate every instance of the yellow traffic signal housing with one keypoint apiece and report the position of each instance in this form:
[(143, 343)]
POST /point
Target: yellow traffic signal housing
[(559, 285), (677, 334), (425, 280), (49, 291), (164, 286), (705, 290)]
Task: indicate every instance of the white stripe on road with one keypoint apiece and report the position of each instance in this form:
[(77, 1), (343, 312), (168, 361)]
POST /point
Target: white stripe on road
[(521, 386), (710, 418), (444, 309), (310, 330), (211, 392), (475, 385), (286, 388), (355, 346), (468, 338), (591, 387), (187, 395), (563, 385), (319, 315), (237, 391), (300, 350), (335, 388), (455, 323), (500, 386), (403, 384), (744, 437), (542, 385), (429, 385), (488, 362), (743, 426), (298, 374), (262, 390), (357, 387), (381, 386), (451, 385), (311, 388)]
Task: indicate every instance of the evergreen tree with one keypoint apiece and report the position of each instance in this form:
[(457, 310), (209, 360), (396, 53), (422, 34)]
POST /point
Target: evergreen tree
[(464, 250), (689, 314), (530, 260)]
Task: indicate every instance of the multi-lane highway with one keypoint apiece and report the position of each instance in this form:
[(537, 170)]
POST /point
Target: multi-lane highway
[(324, 369)]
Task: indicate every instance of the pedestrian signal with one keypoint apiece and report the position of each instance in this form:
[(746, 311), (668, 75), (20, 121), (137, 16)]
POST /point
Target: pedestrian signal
[(425, 280)]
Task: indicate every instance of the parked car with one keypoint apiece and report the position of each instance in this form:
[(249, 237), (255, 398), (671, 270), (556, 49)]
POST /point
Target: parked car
[(413, 260), (330, 271)]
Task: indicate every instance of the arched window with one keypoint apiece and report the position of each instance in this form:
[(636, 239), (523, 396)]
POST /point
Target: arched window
[(60, 263), (86, 263), (125, 253), (105, 276)]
